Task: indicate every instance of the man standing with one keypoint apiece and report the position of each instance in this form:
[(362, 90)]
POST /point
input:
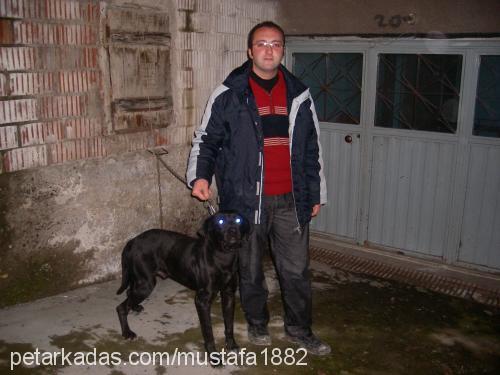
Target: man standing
[(259, 136)]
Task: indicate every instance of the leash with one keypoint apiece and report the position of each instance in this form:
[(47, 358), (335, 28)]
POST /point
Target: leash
[(208, 204)]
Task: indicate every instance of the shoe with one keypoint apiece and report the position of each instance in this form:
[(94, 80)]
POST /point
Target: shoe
[(311, 343), (258, 335)]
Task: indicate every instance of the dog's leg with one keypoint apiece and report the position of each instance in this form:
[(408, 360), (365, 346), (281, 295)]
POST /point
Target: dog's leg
[(123, 309), (228, 300), (136, 294), (137, 308), (203, 302)]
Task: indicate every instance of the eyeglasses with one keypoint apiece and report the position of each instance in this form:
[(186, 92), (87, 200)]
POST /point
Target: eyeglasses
[(263, 44)]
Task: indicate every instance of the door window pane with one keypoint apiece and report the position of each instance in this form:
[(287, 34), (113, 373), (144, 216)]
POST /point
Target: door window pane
[(418, 92), (335, 83), (487, 112)]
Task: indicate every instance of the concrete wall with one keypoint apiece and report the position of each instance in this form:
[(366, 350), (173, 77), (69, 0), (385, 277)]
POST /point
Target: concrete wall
[(86, 88), (321, 17), (64, 225), (211, 42)]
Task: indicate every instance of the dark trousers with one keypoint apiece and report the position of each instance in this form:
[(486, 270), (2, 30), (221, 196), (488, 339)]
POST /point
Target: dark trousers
[(290, 253)]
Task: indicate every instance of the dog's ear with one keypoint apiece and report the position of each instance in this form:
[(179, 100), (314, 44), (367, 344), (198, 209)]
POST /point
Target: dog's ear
[(207, 227), (246, 228)]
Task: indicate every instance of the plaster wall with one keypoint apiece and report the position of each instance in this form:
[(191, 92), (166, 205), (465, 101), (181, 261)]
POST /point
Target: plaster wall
[(348, 17)]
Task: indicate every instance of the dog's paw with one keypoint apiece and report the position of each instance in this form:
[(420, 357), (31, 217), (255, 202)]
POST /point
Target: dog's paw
[(215, 360), (232, 346), (214, 356), (129, 335), (138, 308)]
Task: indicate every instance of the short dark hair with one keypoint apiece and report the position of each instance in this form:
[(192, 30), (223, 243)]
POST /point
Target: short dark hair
[(269, 24)]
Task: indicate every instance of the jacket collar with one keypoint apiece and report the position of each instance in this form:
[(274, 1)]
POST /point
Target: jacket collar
[(238, 80)]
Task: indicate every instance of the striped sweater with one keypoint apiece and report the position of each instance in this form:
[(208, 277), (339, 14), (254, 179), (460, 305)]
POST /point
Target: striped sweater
[(272, 108)]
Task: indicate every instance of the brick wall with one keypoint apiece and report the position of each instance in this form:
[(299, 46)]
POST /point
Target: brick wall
[(50, 79), (88, 79), (81, 79)]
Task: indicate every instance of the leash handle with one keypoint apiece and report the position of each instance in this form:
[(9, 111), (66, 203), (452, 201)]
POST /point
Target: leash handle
[(210, 207)]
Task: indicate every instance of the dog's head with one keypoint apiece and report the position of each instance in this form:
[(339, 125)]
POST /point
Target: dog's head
[(228, 228)]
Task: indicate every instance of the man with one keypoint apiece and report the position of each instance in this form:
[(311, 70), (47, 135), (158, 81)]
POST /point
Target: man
[(259, 136)]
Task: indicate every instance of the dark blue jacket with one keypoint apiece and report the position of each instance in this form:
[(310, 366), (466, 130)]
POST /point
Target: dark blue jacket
[(229, 143)]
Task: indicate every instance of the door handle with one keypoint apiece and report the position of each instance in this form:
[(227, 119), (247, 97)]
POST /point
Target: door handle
[(348, 138)]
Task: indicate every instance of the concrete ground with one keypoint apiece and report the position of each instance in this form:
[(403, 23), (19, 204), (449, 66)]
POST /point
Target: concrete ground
[(374, 327)]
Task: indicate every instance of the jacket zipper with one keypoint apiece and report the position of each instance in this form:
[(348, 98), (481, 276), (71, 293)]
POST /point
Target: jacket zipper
[(299, 228), (261, 164)]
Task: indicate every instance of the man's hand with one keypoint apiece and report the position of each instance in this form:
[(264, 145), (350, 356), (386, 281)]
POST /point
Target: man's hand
[(201, 190), (315, 210)]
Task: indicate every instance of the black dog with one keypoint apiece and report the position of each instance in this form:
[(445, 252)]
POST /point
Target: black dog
[(207, 265)]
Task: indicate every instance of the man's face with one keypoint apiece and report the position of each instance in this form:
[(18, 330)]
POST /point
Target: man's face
[(266, 52)]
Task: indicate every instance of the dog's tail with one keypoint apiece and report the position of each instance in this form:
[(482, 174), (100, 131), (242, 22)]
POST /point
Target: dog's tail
[(125, 268)]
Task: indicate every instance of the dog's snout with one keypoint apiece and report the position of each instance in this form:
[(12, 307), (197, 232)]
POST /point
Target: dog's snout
[(232, 235)]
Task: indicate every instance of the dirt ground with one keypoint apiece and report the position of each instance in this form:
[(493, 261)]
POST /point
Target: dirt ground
[(374, 327)]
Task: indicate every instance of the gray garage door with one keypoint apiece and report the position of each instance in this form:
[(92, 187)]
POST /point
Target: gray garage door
[(410, 136)]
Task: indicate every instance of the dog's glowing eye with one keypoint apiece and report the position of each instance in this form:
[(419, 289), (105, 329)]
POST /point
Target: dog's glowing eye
[(220, 221), (238, 220)]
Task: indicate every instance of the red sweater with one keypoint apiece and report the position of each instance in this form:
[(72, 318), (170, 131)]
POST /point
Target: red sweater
[(272, 107)]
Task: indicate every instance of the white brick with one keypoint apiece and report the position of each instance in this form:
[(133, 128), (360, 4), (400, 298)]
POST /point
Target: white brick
[(229, 7), (205, 6), (72, 150), (227, 24), (184, 41), (186, 79), (8, 137), (17, 58), (26, 157), (12, 8), (82, 128), (3, 85), (40, 133), (17, 110), (30, 32), (186, 4), (202, 22), (62, 106), (30, 83)]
